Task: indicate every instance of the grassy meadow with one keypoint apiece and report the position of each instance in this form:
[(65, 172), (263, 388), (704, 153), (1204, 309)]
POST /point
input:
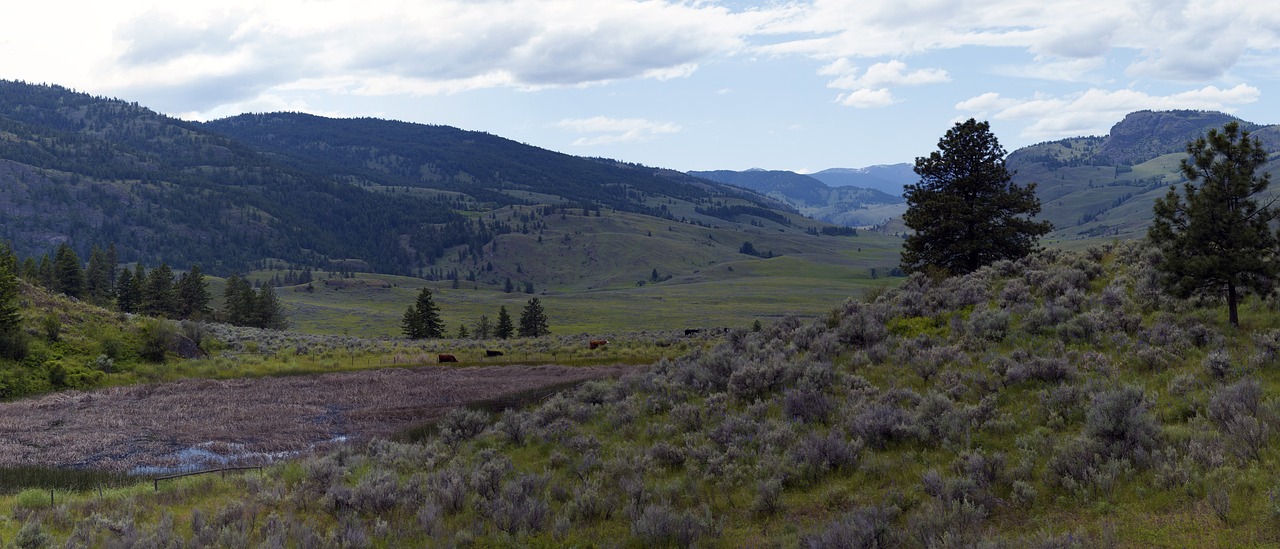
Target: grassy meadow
[(595, 275), (1062, 400)]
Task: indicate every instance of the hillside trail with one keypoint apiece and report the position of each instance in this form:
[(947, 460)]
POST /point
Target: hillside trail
[(199, 423)]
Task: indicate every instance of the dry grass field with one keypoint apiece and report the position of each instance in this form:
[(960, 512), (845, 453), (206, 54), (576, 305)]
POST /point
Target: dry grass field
[(201, 423)]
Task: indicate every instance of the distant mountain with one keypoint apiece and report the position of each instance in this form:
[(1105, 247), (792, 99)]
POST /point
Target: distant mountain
[(796, 189), (844, 205), (491, 170), (363, 194), (1105, 186), (886, 178), (1144, 135), (1089, 187)]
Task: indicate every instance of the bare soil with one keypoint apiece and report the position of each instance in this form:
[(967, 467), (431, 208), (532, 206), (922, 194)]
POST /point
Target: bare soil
[(194, 424)]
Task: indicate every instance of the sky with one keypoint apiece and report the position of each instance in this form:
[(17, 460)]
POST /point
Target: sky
[(688, 85)]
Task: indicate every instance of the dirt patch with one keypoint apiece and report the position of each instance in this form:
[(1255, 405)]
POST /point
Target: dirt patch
[(197, 423)]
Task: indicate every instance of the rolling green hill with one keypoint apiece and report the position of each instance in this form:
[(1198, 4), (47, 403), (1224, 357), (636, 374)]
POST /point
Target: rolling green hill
[(1104, 187)]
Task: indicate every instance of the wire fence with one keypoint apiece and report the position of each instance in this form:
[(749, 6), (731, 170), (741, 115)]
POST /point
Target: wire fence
[(223, 470)]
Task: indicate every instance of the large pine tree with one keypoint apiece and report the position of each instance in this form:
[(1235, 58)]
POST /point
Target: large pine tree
[(1217, 240), (99, 276), (966, 211), (68, 274), (533, 320), (505, 328), (192, 294), (422, 319), (238, 301), (158, 296), (267, 312), (128, 292)]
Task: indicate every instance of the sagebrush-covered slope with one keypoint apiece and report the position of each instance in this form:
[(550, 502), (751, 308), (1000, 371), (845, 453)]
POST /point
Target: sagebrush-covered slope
[(1059, 400)]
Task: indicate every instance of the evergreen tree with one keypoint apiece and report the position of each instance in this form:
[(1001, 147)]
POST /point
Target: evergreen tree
[(112, 261), (505, 327), (483, 328), (1217, 240), (462, 331), (31, 270), (422, 319), (533, 320), (238, 301), (411, 323), (192, 295), (966, 211), (98, 285), (13, 341), (128, 292), (158, 297), (267, 312), (68, 274), (508, 287), (10, 314), (45, 277)]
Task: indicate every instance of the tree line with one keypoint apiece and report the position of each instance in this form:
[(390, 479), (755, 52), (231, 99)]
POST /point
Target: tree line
[(157, 292), (422, 321)]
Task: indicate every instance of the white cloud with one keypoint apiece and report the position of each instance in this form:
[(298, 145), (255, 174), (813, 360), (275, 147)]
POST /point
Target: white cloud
[(870, 88), (1184, 40), (609, 131), (1094, 111), (211, 58), (247, 48), (867, 98)]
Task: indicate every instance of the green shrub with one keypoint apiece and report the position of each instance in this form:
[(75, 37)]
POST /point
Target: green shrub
[(32, 498)]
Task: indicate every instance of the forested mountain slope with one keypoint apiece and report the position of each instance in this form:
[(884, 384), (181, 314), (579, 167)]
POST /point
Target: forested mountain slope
[(1105, 186), (372, 194), (492, 170)]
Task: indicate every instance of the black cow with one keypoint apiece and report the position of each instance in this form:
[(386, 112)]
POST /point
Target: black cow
[(492, 353)]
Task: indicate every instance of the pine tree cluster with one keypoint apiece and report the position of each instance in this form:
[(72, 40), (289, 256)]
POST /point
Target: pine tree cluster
[(422, 321), (246, 307), (104, 283)]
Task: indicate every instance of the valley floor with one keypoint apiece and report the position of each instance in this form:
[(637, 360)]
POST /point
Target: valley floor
[(198, 423)]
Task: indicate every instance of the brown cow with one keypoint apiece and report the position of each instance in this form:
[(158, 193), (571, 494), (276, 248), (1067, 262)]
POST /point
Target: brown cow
[(597, 343), (447, 358)]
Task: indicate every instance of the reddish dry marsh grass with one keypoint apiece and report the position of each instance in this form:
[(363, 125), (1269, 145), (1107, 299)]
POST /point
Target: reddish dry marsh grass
[(199, 423)]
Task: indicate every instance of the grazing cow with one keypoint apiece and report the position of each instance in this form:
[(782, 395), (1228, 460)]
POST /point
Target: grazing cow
[(492, 353), (447, 358), (598, 343), (692, 331)]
